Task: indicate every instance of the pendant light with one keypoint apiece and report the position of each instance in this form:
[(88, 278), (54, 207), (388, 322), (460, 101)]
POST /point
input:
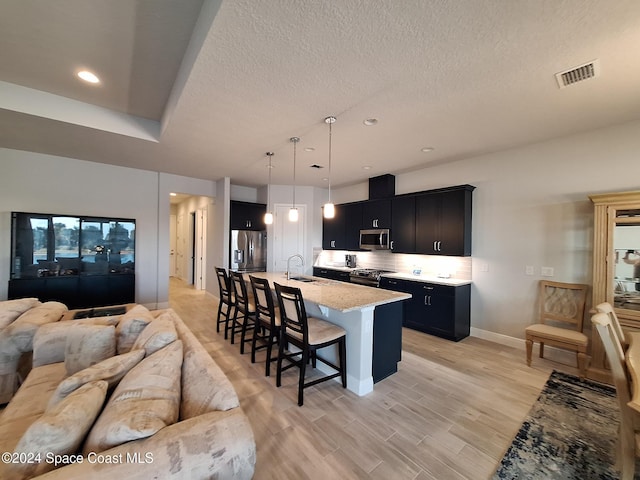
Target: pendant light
[(268, 217), (329, 210), (293, 212)]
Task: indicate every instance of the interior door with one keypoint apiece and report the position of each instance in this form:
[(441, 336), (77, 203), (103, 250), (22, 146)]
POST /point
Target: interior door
[(289, 238), (172, 245)]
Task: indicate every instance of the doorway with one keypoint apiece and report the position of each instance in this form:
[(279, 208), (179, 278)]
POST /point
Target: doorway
[(188, 239)]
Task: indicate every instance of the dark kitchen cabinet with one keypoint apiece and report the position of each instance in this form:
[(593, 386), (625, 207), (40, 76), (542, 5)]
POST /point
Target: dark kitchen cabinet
[(342, 232), (376, 214), (443, 222), (403, 224), (331, 274), (352, 222), (333, 230), (247, 216), (441, 310)]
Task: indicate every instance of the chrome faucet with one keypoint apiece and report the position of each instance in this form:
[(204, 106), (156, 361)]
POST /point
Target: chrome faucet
[(288, 272)]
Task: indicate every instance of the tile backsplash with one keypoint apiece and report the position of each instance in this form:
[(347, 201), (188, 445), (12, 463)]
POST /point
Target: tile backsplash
[(431, 265)]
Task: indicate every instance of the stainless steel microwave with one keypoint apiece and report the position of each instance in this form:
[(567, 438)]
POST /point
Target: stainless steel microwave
[(376, 239)]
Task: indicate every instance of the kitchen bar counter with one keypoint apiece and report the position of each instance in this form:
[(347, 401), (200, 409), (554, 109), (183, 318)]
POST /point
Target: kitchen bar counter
[(341, 296), (372, 318)]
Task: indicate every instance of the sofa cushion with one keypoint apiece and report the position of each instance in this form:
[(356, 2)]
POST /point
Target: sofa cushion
[(50, 340), (12, 309), (111, 370), (158, 334), (130, 326), (87, 345), (146, 400), (205, 387), (60, 430), (21, 332)]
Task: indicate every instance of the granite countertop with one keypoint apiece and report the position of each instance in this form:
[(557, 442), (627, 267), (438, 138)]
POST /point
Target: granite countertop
[(428, 279), (341, 296)]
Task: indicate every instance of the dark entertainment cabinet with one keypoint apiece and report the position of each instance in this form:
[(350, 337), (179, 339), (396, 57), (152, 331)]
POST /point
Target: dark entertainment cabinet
[(80, 261)]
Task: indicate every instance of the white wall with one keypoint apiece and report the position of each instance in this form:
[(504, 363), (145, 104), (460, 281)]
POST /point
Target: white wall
[(530, 207), (33, 182)]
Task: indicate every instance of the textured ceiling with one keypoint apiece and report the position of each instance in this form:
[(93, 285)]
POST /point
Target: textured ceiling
[(205, 88)]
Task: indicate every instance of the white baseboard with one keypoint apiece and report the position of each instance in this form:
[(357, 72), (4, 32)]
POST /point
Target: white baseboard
[(552, 353)]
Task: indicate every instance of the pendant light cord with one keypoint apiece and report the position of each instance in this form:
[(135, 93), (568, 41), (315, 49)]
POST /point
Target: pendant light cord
[(330, 123)]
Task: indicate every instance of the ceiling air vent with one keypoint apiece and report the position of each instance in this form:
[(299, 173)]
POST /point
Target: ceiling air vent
[(578, 74), (315, 165)]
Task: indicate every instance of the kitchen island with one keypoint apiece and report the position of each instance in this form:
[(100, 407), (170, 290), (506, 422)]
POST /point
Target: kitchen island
[(372, 318)]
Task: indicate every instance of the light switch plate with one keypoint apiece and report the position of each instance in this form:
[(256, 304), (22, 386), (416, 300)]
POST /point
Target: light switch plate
[(528, 270), (546, 271)]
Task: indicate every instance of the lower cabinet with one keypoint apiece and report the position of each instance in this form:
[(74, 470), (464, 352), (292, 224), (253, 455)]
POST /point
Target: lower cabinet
[(441, 310), (331, 274)]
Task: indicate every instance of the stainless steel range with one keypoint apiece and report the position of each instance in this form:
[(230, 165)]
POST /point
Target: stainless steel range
[(366, 276)]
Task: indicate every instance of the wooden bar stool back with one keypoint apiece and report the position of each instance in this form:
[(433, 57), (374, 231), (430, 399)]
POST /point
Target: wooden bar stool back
[(226, 303), (267, 332), (244, 317), (308, 334)]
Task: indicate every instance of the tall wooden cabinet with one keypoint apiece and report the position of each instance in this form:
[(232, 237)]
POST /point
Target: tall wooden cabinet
[(616, 266)]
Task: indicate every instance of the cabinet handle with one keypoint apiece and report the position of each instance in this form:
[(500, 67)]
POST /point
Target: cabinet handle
[(391, 245), (427, 300), (435, 249), (427, 288), (439, 245), (333, 244)]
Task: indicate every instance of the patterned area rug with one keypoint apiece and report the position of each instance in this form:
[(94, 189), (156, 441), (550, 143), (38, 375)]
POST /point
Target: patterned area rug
[(569, 433)]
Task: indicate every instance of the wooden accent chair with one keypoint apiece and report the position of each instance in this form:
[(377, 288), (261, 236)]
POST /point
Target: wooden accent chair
[(227, 301), (628, 442), (561, 314), (267, 332), (308, 334), (244, 316)]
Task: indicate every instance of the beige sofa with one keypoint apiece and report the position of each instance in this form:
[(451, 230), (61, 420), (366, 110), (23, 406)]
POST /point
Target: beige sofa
[(212, 437), (19, 321)]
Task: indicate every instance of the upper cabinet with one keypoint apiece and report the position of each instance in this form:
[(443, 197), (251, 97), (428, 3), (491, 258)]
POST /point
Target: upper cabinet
[(403, 224), (443, 222), (435, 222), (376, 214), (342, 232), (333, 230), (247, 216)]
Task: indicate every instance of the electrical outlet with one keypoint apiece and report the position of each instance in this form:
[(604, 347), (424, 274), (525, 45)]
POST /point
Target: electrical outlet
[(528, 270), (546, 271)]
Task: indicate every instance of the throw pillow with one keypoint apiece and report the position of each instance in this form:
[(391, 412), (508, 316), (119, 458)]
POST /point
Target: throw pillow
[(158, 334), (61, 429), (87, 345), (146, 400), (50, 340), (130, 326), (111, 370)]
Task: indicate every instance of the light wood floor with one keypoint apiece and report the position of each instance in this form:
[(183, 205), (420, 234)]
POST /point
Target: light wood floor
[(450, 412)]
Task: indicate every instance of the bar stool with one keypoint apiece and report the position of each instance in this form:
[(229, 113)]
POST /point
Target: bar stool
[(268, 318), (244, 315), (308, 334), (227, 301)]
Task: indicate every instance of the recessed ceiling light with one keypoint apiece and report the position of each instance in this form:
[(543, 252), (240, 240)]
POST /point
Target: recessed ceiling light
[(427, 149), (369, 122), (309, 149), (366, 167), (88, 76), (325, 179)]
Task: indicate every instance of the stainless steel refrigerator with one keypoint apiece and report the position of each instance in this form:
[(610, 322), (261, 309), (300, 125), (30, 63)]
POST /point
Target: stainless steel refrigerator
[(248, 251)]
